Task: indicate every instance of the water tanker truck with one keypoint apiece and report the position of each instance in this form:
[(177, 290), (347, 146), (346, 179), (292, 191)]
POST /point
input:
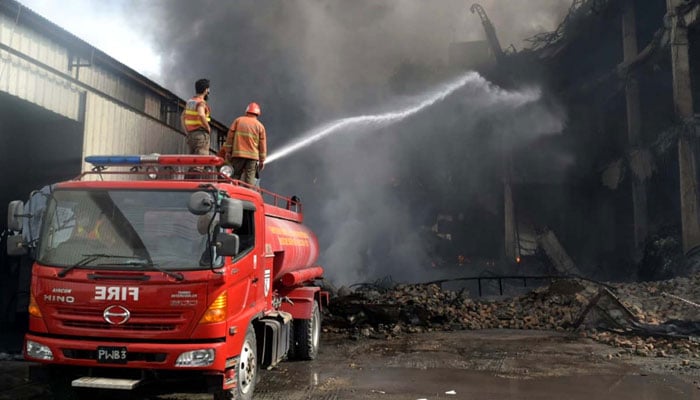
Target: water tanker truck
[(148, 270)]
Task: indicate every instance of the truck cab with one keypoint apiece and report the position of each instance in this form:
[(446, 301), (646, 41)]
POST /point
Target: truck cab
[(144, 273)]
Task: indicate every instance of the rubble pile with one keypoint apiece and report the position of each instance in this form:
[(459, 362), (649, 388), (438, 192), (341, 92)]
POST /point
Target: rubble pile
[(414, 308), (657, 302), (647, 346), (647, 319)]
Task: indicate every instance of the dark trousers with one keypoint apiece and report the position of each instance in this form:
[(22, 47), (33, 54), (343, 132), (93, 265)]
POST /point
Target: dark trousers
[(244, 169), (198, 142)]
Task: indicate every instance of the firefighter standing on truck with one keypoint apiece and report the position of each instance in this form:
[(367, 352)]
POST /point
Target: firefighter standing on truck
[(196, 117), (246, 145)]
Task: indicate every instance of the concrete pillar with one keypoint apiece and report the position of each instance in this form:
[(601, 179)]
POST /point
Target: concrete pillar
[(683, 101), (639, 191), (510, 238)]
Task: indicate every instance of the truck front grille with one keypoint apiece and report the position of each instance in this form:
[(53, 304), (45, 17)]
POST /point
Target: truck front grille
[(142, 321), (131, 327)]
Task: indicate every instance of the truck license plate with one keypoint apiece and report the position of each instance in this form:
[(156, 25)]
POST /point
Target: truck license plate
[(112, 355)]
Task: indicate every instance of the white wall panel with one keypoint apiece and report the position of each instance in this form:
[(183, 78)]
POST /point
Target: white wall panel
[(48, 52), (95, 94), (113, 85), (152, 106), (33, 44), (112, 129), (29, 82)]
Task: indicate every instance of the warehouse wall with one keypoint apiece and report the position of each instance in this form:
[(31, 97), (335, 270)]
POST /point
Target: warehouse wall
[(112, 129), (37, 147)]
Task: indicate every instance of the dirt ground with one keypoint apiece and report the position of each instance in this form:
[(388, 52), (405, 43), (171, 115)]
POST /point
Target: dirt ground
[(487, 364)]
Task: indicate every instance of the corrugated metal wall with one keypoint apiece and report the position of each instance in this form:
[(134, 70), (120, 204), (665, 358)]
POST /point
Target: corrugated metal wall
[(114, 85), (152, 107), (32, 43), (30, 82), (120, 115), (113, 129)]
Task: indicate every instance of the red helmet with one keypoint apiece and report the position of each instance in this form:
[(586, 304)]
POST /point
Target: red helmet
[(253, 108)]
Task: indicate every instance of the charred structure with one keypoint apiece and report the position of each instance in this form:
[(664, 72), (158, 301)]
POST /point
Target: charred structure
[(618, 186)]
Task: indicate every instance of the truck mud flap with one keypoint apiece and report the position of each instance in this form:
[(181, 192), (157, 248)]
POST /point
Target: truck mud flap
[(273, 341)]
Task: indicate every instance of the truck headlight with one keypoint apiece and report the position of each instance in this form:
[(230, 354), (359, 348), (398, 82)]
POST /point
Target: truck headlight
[(196, 358), (38, 351)]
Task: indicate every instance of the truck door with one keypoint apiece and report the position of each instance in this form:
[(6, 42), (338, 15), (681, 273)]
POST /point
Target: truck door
[(249, 260)]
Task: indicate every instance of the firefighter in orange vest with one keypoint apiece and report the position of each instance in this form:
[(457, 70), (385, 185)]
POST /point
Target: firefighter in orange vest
[(196, 118), (246, 145), (86, 229)]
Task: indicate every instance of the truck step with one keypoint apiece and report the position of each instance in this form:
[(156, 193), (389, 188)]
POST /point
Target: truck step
[(106, 383)]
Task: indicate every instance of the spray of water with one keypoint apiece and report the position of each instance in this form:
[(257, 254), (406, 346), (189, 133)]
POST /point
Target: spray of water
[(424, 101)]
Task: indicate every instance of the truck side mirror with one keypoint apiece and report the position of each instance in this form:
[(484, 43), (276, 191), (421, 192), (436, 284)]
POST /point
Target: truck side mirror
[(15, 246), (231, 214), (227, 244), (15, 212), (200, 203)]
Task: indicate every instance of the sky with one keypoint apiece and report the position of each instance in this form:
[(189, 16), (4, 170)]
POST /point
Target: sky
[(371, 192)]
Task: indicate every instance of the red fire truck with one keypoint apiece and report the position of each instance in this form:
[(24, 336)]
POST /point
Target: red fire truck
[(158, 271)]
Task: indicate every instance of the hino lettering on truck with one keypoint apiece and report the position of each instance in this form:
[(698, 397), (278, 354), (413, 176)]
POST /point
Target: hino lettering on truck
[(116, 293), (52, 298)]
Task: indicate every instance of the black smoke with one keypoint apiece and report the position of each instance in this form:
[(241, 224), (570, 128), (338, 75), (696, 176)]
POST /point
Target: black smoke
[(371, 196)]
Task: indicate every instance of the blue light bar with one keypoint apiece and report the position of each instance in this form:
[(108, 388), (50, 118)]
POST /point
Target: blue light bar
[(113, 160)]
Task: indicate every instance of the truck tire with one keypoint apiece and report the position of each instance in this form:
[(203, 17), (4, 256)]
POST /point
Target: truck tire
[(291, 352), (246, 371), (307, 333)]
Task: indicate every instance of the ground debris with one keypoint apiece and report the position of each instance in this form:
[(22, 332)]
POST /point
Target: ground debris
[(650, 319)]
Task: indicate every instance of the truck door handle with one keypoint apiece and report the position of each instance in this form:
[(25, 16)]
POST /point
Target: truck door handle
[(255, 280)]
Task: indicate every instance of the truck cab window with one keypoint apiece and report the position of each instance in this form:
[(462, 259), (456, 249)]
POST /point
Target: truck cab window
[(125, 228), (246, 233)]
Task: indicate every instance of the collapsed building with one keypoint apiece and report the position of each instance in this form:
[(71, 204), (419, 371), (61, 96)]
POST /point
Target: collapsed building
[(624, 208), (614, 195)]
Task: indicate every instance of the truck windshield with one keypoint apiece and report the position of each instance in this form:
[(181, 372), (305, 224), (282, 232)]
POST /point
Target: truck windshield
[(129, 229)]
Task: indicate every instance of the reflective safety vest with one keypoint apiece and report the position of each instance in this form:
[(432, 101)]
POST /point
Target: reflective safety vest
[(93, 234), (246, 137), (192, 120)]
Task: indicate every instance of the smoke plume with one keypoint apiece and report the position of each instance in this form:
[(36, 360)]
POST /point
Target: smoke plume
[(373, 192)]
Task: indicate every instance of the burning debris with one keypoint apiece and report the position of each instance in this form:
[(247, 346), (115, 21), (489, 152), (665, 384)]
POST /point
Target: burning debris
[(649, 319)]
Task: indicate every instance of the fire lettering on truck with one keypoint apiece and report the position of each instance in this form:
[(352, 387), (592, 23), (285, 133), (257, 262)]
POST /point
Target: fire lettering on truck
[(116, 293)]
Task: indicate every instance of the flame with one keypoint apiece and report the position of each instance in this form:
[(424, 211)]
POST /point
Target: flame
[(517, 259)]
